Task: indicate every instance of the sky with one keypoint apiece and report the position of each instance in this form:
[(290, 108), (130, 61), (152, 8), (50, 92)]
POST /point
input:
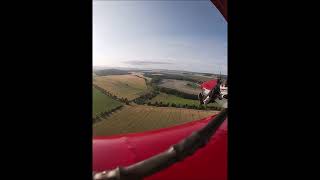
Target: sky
[(175, 35)]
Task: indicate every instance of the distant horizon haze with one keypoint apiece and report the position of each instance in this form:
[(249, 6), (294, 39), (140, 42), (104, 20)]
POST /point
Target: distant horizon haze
[(148, 69)]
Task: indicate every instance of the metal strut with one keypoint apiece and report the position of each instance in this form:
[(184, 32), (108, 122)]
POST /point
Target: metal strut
[(175, 153)]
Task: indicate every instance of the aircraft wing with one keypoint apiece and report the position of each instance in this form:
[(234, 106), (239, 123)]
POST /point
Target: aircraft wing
[(209, 162), (209, 85)]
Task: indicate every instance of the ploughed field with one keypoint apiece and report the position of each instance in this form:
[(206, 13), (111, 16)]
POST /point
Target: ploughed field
[(123, 86), (139, 118)]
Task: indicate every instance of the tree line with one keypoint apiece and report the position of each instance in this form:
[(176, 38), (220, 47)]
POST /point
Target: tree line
[(143, 98), (187, 106), (99, 116)]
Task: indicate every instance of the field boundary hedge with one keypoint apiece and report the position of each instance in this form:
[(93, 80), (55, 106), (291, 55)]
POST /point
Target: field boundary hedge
[(98, 117), (185, 106), (143, 98), (124, 100)]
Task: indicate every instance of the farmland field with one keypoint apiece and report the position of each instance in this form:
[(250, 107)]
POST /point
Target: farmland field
[(201, 77), (141, 75), (168, 98), (179, 85), (125, 86), (139, 118), (102, 102)]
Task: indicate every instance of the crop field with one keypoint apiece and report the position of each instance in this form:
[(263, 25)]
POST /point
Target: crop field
[(168, 98), (141, 75), (125, 86), (179, 85), (139, 118), (201, 77), (102, 102)]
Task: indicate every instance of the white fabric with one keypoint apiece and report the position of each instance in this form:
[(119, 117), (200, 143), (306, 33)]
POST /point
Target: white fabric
[(206, 92), (206, 101)]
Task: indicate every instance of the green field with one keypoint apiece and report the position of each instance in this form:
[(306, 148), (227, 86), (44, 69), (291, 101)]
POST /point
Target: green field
[(168, 98), (180, 85), (102, 102), (139, 118)]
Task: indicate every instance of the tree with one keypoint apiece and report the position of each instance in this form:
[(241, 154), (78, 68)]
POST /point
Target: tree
[(126, 101)]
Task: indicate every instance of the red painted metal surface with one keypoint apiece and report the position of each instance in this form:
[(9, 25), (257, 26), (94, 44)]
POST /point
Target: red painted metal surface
[(222, 6), (209, 162), (209, 84)]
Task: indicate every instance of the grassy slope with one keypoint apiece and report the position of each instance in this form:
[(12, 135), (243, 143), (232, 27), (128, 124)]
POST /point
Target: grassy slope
[(102, 102)]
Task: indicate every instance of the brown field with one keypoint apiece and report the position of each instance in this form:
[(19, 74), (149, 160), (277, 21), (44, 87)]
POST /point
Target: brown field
[(179, 85), (126, 86), (139, 118), (141, 75)]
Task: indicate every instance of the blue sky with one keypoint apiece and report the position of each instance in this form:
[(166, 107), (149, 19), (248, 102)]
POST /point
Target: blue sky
[(176, 35)]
